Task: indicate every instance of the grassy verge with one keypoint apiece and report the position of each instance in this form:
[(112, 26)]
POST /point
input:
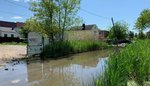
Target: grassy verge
[(130, 64), (64, 48), (12, 43)]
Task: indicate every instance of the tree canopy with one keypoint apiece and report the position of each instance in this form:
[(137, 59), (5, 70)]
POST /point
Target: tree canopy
[(54, 16), (131, 34), (143, 21), (118, 31)]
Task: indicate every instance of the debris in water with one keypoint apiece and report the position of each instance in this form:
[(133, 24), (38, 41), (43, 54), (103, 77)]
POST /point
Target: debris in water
[(13, 69), (6, 69)]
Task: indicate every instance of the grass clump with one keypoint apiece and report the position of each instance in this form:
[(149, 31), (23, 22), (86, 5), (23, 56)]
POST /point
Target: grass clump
[(130, 64), (64, 48)]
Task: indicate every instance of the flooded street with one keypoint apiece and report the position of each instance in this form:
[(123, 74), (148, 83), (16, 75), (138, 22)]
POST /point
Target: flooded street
[(76, 70)]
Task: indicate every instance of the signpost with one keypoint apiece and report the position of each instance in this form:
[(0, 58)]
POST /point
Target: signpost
[(35, 44)]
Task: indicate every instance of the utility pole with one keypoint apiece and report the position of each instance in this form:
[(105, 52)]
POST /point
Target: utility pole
[(112, 20), (116, 39)]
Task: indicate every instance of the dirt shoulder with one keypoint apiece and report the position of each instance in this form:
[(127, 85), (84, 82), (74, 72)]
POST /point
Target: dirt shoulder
[(12, 51)]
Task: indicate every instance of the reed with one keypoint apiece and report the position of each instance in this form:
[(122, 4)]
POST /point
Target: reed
[(64, 48), (130, 64)]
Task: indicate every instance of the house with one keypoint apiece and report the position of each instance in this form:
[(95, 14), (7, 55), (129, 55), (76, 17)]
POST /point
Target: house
[(84, 32), (10, 29), (103, 34)]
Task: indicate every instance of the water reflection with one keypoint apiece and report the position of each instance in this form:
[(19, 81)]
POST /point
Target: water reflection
[(77, 70), (16, 75)]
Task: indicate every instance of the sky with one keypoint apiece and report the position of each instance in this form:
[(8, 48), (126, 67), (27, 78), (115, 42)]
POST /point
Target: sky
[(97, 12)]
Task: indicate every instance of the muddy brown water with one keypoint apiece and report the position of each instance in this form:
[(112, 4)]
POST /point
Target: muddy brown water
[(76, 70)]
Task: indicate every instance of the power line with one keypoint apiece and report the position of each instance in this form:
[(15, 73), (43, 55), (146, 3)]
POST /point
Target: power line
[(94, 14), (89, 12), (13, 3), (9, 13), (16, 4)]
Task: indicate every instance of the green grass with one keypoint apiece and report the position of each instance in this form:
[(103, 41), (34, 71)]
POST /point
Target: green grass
[(12, 43), (64, 48), (130, 64)]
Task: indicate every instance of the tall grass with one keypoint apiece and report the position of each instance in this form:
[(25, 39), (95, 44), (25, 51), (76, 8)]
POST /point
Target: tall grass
[(130, 64), (69, 47)]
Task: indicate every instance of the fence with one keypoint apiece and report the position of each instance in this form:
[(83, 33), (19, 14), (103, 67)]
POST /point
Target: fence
[(9, 39)]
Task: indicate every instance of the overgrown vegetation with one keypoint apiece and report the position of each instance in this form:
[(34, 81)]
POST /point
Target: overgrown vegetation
[(131, 35), (143, 22), (63, 48), (118, 31), (130, 64)]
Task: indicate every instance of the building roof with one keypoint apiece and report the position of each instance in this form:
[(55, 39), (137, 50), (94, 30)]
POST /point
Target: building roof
[(7, 30), (87, 27), (7, 24), (19, 24), (11, 24)]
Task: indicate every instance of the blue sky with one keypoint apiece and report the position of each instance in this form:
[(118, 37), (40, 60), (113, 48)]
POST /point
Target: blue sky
[(100, 14)]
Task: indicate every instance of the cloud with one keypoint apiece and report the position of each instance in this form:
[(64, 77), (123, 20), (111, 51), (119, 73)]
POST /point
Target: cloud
[(16, 17), (1, 17), (16, 0)]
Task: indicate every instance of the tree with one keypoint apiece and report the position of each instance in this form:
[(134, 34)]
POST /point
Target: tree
[(141, 35), (55, 15), (131, 34), (148, 34), (136, 35), (24, 32), (29, 26), (118, 31), (32, 25), (143, 22)]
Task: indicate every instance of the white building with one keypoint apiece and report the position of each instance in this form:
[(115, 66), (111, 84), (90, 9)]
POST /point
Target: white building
[(10, 29), (8, 32)]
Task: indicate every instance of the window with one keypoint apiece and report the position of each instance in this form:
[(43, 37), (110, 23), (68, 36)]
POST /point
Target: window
[(5, 35), (12, 35)]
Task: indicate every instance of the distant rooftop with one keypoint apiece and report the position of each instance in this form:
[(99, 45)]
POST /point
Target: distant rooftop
[(87, 27), (11, 24)]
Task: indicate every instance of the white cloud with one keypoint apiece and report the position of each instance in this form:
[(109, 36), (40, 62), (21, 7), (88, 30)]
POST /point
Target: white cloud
[(16, 17), (16, 0), (1, 17)]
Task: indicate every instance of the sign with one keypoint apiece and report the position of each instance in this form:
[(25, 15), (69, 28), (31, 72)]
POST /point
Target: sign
[(35, 44)]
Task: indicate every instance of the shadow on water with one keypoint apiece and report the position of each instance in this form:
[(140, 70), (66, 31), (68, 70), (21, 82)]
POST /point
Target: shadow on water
[(76, 70)]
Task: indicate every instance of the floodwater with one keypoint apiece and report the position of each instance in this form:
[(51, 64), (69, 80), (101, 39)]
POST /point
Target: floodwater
[(76, 70)]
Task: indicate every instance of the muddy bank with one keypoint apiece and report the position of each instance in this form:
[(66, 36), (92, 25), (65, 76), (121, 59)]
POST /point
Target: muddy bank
[(8, 52)]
